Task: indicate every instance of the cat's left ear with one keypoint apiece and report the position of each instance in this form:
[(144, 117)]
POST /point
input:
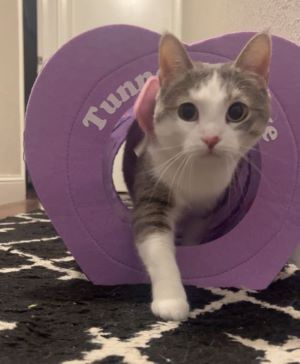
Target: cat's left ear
[(173, 59), (256, 55)]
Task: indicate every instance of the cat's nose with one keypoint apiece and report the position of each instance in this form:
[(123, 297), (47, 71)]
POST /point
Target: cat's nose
[(211, 141)]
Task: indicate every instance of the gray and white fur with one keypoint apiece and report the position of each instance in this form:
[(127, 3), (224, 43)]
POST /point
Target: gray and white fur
[(207, 117)]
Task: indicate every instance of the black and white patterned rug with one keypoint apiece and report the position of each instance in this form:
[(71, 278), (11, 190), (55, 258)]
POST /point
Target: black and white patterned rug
[(50, 313)]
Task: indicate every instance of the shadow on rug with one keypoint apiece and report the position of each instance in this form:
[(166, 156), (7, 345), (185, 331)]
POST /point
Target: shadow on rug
[(50, 313)]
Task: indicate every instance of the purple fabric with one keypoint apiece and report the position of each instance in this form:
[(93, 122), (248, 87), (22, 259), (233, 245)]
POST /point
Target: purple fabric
[(71, 141)]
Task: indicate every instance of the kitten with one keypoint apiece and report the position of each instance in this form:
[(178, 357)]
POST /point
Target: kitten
[(207, 116)]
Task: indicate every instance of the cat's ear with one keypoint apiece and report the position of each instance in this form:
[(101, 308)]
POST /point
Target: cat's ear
[(173, 58), (256, 55)]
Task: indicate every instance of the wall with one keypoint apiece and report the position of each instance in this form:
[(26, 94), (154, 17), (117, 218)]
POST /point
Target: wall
[(208, 18), (149, 14), (12, 179), (60, 20)]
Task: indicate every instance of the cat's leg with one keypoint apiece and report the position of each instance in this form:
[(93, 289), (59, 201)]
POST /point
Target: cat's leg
[(155, 243), (158, 254)]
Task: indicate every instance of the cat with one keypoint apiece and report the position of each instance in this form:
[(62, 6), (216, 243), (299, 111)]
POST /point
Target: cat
[(206, 118)]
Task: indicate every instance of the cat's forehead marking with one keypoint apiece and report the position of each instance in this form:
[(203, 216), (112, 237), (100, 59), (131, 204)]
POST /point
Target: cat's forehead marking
[(212, 90)]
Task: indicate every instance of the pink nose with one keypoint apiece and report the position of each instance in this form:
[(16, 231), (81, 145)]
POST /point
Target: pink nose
[(211, 141)]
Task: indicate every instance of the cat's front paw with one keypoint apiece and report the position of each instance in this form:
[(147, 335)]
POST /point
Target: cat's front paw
[(171, 309)]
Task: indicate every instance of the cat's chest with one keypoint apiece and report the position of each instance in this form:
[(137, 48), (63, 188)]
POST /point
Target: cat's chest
[(193, 181)]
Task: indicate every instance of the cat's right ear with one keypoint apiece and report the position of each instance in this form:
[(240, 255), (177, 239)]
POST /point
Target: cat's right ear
[(256, 55), (173, 59)]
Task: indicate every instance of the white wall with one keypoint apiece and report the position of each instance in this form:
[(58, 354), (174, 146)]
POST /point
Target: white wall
[(12, 179), (60, 20), (152, 14), (207, 18)]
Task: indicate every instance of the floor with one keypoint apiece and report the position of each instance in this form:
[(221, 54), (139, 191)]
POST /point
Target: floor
[(51, 313), (31, 203), (18, 207)]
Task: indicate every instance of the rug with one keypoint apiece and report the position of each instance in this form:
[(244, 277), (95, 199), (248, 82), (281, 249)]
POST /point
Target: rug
[(50, 313)]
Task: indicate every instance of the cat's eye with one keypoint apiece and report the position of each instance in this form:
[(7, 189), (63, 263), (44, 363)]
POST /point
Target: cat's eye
[(237, 112), (188, 112)]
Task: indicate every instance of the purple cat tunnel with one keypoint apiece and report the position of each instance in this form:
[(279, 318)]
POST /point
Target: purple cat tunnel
[(79, 115)]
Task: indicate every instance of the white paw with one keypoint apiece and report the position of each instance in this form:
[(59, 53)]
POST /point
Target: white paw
[(171, 309)]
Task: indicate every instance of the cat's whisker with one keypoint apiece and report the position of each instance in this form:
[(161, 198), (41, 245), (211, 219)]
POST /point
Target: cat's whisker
[(246, 159), (259, 171), (184, 168), (269, 183), (171, 161), (234, 182), (159, 166), (174, 186), (162, 165), (229, 189), (167, 165), (238, 183), (191, 163)]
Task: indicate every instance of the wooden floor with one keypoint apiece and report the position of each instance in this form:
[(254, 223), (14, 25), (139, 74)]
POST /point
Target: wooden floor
[(18, 207)]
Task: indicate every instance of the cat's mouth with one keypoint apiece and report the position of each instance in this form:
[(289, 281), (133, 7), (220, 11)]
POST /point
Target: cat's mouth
[(211, 153), (207, 153)]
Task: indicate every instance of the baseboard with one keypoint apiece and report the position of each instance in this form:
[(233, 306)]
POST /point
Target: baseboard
[(12, 190)]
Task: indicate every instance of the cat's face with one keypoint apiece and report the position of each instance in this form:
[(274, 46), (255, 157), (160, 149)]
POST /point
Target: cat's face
[(212, 111)]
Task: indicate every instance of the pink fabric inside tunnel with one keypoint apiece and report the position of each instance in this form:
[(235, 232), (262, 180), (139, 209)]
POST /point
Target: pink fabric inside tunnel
[(145, 103)]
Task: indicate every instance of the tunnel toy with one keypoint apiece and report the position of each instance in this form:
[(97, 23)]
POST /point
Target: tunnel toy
[(78, 116)]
